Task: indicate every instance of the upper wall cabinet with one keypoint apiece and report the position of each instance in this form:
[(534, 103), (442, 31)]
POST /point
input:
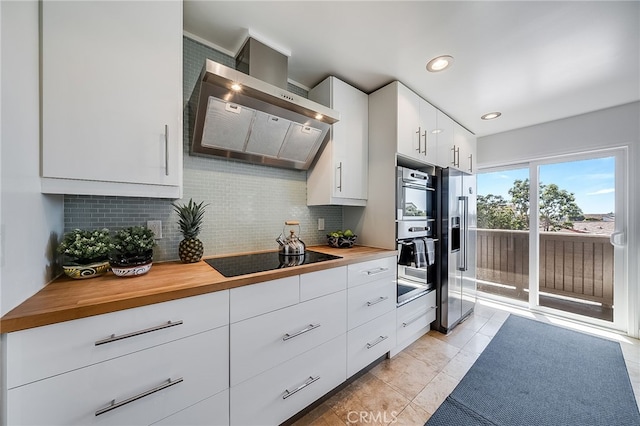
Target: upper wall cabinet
[(456, 145), (416, 126), (112, 98), (339, 176)]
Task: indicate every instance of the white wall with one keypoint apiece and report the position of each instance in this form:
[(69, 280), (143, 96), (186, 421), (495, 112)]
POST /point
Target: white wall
[(608, 128), (30, 222)]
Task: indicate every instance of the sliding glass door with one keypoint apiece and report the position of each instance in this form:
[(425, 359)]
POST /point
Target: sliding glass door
[(553, 236)]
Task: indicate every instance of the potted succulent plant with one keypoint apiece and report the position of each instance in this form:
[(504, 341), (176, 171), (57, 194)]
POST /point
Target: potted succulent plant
[(190, 216), (131, 251), (85, 253)]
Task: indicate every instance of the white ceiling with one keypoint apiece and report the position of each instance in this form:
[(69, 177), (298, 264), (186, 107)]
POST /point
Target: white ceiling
[(533, 61)]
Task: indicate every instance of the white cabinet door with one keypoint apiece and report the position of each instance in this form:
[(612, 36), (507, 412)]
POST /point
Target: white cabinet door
[(134, 388), (267, 340), (409, 130), (448, 153), (428, 132), (277, 394), (213, 411), (465, 141), (41, 352), (112, 98), (340, 174)]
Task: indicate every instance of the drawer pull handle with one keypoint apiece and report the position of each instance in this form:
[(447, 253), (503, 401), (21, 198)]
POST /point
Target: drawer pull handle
[(376, 271), (288, 393), (297, 333), (414, 319), (378, 300), (113, 405), (378, 340), (114, 338)]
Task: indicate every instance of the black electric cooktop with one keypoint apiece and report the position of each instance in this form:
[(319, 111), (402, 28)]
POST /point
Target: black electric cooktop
[(232, 266)]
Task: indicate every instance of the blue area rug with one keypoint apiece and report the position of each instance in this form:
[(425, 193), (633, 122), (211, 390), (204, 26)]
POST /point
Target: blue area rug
[(539, 374)]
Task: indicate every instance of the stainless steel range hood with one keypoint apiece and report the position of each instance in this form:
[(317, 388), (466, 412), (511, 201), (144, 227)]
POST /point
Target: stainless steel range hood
[(242, 117)]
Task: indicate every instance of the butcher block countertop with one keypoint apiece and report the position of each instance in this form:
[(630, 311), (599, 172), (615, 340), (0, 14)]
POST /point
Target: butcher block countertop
[(66, 299)]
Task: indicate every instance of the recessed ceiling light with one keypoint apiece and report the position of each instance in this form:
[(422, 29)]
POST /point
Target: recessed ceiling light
[(319, 116), (236, 87), (491, 115), (439, 63)]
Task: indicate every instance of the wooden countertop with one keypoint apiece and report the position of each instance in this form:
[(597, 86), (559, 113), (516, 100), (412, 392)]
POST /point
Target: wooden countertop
[(66, 299)]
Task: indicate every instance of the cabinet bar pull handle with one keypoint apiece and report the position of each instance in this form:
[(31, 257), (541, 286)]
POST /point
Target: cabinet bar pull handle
[(412, 320), (340, 178), (288, 393), (419, 149), (297, 333), (166, 150), (425, 142), (470, 163), (458, 155), (378, 340), (113, 405), (376, 271), (378, 300), (453, 150), (114, 338)]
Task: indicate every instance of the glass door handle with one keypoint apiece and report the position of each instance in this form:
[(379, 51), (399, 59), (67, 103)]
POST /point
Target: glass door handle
[(618, 239)]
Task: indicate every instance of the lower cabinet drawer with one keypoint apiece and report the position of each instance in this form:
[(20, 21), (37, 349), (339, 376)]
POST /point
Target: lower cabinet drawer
[(370, 341), (368, 301), (213, 411), (416, 315), (263, 342), (129, 390), (279, 393)]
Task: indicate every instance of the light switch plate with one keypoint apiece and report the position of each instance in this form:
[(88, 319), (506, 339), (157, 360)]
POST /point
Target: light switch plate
[(321, 224), (156, 227)]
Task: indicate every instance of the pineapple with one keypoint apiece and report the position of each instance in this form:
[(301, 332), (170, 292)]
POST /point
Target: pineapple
[(190, 249)]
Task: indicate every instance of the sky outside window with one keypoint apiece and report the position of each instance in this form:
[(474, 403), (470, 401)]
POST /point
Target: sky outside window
[(591, 181)]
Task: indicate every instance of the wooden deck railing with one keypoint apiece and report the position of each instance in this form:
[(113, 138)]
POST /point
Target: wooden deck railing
[(574, 265)]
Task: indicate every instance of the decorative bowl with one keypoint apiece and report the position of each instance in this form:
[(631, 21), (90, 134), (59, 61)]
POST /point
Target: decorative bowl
[(341, 242), (91, 270), (131, 270)]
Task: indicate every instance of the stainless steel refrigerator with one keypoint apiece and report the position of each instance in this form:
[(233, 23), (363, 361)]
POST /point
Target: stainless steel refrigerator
[(457, 221)]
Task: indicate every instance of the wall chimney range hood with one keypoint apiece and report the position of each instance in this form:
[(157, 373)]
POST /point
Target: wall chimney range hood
[(250, 116)]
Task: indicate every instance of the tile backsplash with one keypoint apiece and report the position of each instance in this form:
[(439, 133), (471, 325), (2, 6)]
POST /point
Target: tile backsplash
[(248, 203)]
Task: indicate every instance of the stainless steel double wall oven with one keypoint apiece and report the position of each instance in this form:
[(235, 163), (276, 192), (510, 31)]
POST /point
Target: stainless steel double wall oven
[(416, 211)]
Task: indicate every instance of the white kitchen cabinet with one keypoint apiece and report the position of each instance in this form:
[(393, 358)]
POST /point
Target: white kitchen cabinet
[(262, 342), (136, 389), (112, 98), (456, 145), (465, 142), (64, 373), (339, 176), (414, 319), (213, 411), (280, 392), (371, 312)]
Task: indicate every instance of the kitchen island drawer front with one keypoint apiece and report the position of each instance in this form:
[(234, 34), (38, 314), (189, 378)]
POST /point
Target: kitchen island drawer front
[(213, 411), (415, 315), (370, 300), (363, 272), (279, 393), (321, 283), (42, 352), (257, 299), (370, 341), (260, 343), (197, 366)]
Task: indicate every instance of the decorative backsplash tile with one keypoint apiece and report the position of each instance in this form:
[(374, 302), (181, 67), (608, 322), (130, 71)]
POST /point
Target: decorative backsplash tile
[(248, 203)]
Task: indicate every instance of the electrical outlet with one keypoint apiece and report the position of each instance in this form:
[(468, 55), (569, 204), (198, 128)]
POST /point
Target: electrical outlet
[(156, 227), (321, 224)]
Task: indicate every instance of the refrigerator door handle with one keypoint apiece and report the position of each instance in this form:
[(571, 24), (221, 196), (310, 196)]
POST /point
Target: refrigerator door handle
[(463, 256)]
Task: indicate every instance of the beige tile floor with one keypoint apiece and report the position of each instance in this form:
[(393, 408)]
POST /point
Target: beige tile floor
[(408, 388)]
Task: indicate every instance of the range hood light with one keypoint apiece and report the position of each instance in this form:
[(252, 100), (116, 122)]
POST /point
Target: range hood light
[(491, 115), (319, 117), (439, 63), (236, 87)]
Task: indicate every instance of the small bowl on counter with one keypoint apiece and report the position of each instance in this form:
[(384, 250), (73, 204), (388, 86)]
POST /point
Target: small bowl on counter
[(341, 241)]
